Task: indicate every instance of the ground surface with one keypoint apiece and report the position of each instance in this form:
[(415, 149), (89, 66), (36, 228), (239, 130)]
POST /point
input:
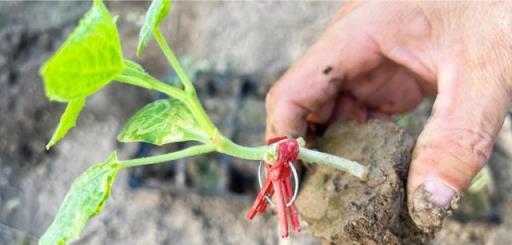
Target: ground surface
[(200, 201)]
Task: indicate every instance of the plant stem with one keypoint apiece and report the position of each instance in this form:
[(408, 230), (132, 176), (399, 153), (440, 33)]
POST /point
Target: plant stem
[(344, 164), (231, 148), (141, 79), (218, 141), (191, 151), (200, 115), (152, 84), (192, 101), (173, 61)]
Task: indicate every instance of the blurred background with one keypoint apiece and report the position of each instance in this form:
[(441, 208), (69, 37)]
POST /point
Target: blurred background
[(234, 51)]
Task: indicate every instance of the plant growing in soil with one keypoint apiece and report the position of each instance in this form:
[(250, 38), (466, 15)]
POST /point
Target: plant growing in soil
[(91, 58)]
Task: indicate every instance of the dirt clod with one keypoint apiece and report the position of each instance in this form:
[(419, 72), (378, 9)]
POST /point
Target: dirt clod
[(341, 209)]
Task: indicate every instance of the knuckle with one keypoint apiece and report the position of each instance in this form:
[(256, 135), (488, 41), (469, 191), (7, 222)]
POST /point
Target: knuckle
[(461, 153), (469, 146)]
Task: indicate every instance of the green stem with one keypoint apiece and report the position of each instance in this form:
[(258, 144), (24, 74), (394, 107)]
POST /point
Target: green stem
[(173, 61), (222, 144), (228, 147), (192, 101), (200, 115), (191, 151), (340, 163), (143, 80), (219, 142)]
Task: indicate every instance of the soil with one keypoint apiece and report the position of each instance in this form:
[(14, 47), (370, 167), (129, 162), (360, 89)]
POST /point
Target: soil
[(341, 209)]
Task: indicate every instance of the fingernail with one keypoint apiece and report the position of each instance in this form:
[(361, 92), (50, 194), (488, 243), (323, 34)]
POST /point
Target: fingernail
[(441, 195), (431, 203)]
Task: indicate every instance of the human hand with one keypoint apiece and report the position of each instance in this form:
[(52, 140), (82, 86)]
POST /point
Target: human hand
[(380, 58)]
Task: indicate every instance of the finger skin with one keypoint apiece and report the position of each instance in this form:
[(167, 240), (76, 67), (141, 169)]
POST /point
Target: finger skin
[(388, 89), (456, 141), (458, 138), (473, 81), (317, 77), (353, 44)]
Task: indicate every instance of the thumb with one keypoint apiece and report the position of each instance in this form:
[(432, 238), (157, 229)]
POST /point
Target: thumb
[(456, 142)]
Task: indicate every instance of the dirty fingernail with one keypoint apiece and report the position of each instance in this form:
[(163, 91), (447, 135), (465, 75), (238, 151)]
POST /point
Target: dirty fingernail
[(431, 203), (440, 194)]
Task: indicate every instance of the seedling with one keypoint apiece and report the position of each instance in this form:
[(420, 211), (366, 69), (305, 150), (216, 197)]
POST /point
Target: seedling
[(91, 58)]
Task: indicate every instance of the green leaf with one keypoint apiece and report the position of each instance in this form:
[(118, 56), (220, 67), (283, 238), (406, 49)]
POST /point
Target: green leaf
[(88, 60), (161, 122), (67, 120), (156, 13), (84, 200), (482, 179)]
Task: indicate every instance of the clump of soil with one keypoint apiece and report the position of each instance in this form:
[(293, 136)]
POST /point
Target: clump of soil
[(341, 209)]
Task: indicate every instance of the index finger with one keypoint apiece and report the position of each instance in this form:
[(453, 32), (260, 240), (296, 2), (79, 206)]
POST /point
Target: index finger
[(343, 51)]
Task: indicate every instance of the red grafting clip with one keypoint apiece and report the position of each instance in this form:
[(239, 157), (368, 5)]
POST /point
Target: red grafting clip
[(277, 181)]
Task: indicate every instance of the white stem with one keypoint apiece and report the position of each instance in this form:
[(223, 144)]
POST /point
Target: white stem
[(344, 164)]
